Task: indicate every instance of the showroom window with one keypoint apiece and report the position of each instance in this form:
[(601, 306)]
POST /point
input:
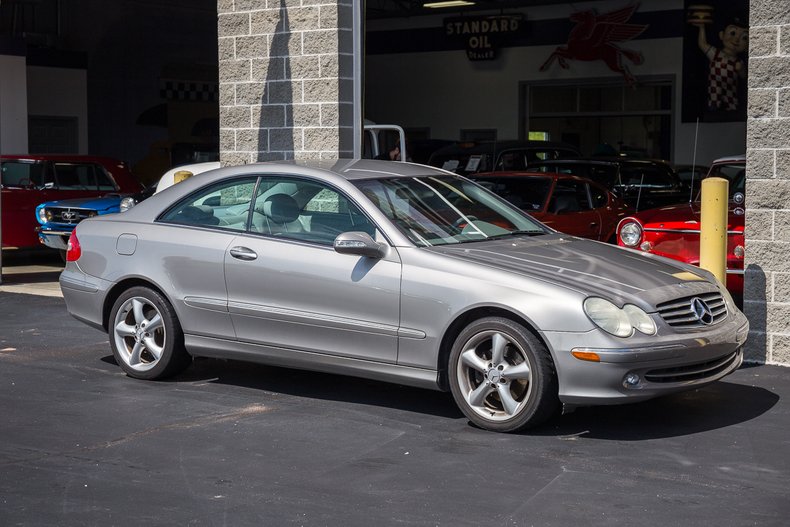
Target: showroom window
[(602, 118)]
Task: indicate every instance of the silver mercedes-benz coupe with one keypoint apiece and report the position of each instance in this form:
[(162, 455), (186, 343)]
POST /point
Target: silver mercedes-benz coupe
[(397, 272)]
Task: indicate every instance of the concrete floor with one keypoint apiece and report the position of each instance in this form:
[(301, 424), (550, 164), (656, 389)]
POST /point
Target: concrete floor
[(228, 443)]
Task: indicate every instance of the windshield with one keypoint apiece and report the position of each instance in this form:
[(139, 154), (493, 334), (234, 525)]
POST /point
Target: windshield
[(734, 173), (446, 210)]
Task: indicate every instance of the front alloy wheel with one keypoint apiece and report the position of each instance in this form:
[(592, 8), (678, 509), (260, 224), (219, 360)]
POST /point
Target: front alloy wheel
[(502, 376)]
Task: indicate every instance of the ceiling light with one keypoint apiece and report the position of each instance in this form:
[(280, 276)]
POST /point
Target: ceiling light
[(447, 3)]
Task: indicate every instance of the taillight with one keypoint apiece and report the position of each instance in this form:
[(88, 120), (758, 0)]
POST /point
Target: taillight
[(73, 250)]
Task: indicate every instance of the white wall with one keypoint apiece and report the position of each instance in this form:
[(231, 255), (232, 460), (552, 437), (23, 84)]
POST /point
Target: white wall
[(446, 92), (60, 92), (13, 105)]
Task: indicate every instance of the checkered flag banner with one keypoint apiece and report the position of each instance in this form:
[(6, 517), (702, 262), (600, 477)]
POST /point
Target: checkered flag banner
[(180, 90)]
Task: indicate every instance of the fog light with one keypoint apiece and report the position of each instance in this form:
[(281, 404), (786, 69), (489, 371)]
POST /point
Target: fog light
[(630, 380), (646, 246)]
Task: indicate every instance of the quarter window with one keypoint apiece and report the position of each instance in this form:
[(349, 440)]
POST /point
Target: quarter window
[(225, 205)]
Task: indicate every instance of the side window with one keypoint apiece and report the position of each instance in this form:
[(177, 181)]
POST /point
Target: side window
[(305, 210), (569, 196), (75, 176), (103, 180), (599, 196), (225, 205), (17, 174)]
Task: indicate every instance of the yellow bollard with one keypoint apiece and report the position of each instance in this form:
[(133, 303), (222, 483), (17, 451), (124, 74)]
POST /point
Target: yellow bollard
[(713, 227)]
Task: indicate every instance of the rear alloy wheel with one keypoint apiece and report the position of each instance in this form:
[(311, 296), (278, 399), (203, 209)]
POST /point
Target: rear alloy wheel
[(145, 335), (501, 376)]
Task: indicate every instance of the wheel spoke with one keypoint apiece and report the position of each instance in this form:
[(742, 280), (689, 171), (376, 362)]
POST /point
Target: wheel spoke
[(154, 324), (508, 403), (125, 330), (519, 371), (134, 358), (479, 394), (471, 359), (153, 347), (498, 344), (137, 309)]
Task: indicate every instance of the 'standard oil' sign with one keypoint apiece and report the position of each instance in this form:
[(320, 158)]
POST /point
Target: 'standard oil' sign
[(484, 34)]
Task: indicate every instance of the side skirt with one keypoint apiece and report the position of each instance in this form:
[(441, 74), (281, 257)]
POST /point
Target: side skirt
[(201, 346)]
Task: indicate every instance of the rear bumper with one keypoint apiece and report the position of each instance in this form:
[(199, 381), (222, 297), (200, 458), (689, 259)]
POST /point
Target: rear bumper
[(84, 295)]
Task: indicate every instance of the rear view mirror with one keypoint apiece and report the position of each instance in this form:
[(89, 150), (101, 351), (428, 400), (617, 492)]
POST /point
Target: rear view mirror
[(359, 243)]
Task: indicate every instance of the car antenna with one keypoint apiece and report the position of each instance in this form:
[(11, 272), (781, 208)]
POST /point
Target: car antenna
[(639, 194), (694, 162)]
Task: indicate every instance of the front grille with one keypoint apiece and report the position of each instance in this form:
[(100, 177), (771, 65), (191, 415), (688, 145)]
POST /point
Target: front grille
[(692, 372), (68, 216), (680, 313)]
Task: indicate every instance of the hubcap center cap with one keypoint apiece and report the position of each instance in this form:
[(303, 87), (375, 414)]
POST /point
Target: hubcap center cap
[(493, 375), (139, 334)]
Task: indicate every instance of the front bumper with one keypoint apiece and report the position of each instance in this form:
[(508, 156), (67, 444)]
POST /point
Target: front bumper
[(674, 362), (55, 239)]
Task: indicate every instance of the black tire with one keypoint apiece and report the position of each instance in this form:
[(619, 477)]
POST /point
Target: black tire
[(479, 380), (146, 347)]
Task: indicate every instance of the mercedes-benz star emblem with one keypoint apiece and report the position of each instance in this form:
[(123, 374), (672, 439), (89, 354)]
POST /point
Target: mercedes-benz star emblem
[(701, 310)]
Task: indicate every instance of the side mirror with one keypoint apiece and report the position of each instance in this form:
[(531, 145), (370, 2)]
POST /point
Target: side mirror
[(359, 243)]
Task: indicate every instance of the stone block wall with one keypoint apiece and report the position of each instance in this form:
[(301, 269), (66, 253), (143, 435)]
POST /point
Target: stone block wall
[(767, 288), (285, 73)]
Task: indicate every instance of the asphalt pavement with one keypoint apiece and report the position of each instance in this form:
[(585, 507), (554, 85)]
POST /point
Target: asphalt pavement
[(229, 443)]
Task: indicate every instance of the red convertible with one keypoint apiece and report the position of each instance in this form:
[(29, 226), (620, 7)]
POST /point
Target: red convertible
[(28, 180), (567, 203), (674, 231)]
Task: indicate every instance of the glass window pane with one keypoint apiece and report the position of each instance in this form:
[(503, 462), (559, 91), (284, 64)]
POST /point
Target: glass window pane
[(17, 174), (224, 205)]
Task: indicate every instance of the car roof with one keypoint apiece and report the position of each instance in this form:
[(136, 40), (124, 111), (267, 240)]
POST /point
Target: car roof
[(61, 157), (731, 159), (349, 169)]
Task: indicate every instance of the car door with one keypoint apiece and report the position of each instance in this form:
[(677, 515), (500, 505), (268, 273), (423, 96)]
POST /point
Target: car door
[(289, 289), (570, 210), (191, 240)]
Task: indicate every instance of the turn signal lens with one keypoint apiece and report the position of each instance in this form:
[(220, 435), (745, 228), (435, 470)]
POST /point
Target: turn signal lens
[(73, 249), (586, 355)]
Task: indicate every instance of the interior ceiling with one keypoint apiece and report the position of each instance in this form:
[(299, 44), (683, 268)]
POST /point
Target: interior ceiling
[(376, 9)]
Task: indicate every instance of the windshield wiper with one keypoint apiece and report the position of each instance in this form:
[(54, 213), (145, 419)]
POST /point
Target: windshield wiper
[(517, 233)]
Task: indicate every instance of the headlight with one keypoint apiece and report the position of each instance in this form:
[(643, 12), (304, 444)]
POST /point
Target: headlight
[(631, 233), (608, 317), (640, 320), (127, 203), (42, 215), (618, 322)]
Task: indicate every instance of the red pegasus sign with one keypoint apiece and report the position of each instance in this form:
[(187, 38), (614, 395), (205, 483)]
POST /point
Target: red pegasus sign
[(595, 37)]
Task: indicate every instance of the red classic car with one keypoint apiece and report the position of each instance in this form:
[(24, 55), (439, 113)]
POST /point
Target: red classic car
[(28, 180), (674, 231), (564, 202)]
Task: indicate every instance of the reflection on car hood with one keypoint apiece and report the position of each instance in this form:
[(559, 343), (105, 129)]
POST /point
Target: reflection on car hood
[(585, 265), (94, 203)]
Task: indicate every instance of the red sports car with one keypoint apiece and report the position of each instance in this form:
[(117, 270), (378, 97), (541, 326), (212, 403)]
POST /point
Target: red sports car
[(674, 231), (564, 202), (28, 180)]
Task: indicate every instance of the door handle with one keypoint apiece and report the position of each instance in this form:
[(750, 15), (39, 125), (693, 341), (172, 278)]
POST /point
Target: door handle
[(243, 253), (593, 223)]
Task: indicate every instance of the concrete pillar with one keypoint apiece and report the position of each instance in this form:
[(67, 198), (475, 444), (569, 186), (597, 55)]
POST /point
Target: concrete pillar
[(767, 284), (286, 79)]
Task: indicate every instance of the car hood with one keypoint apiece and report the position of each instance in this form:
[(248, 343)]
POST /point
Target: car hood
[(593, 268), (685, 216), (94, 203)]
